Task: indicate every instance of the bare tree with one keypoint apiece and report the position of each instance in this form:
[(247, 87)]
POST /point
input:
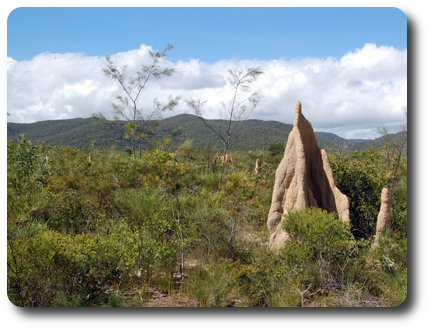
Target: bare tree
[(140, 122), (243, 100)]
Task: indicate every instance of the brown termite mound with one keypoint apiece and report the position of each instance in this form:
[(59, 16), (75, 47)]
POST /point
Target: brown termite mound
[(384, 217), (303, 179), (257, 168), (225, 159)]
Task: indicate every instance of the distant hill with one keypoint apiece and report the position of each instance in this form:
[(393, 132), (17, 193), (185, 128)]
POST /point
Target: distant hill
[(251, 134)]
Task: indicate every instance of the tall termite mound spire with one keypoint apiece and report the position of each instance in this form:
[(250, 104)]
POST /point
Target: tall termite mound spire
[(303, 179), (342, 204), (257, 168), (384, 217)]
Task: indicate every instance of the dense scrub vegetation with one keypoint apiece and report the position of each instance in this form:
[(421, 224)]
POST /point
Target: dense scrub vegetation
[(99, 227)]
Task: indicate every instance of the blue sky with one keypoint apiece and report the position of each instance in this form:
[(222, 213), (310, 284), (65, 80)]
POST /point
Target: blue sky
[(348, 66), (210, 34)]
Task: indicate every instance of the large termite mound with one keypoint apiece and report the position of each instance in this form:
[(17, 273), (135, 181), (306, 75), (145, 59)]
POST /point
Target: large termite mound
[(384, 217), (303, 179)]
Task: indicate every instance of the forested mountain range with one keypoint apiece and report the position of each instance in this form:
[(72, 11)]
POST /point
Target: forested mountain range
[(251, 134)]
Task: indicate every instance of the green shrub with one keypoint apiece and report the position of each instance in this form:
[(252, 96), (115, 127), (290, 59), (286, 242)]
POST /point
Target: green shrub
[(45, 266), (147, 214), (320, 247), (276, 149), (361, 176), (212, 285), (114, 300)]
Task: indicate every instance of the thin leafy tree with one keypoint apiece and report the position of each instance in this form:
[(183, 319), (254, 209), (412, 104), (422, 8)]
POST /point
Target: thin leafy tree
[(140, 122), (244, 99)]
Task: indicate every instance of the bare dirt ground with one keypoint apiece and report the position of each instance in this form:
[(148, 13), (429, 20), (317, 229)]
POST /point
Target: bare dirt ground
[(162, 299)]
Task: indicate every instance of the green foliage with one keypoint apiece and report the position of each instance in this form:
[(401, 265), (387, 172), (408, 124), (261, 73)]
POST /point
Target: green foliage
[(29, 167), (361, 176), (399, 208), (147, 216), (320, 246), (387, 269), (321, 265), (276, 149), (318, 233), (212, 286), (114, 300), (45, 265), (73, 226), (98, 227)]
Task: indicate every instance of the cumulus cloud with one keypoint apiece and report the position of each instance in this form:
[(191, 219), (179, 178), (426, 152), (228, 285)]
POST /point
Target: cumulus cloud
[(351, 96)]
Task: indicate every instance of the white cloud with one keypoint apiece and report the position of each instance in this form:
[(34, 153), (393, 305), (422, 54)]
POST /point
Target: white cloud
[(351, 96), (10, 62)]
